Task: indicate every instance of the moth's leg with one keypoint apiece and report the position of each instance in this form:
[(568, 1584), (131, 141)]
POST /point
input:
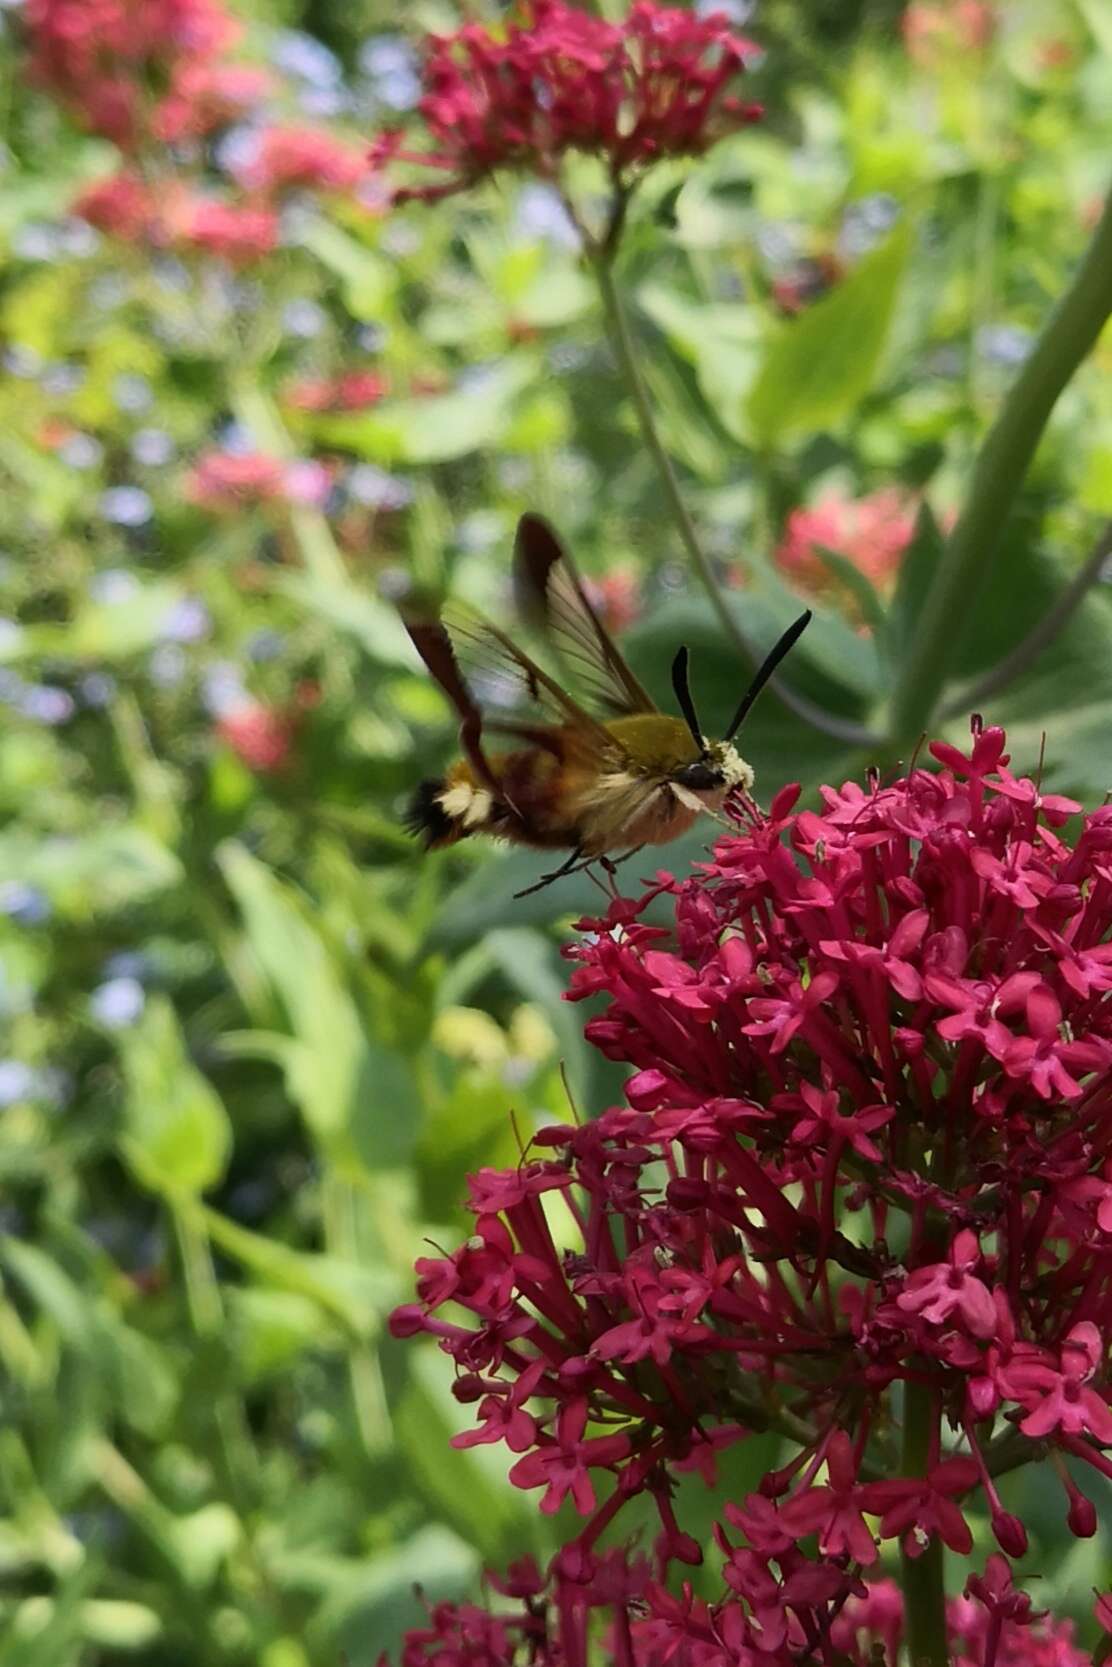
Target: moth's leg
[(610, 866), (568, 867)]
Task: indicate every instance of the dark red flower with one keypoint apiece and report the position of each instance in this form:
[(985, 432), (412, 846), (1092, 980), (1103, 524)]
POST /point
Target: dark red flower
[(656, 85)]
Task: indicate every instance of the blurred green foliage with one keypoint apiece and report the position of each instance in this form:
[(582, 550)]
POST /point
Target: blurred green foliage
[(253, 1041)]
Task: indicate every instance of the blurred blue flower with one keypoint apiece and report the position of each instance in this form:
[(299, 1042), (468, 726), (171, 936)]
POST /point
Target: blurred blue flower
[(370, 485), (21, 361), (303, 318), (12, 687), (170, 274), (153, 447), (222, 688), (60, 379), (236, 438), (738, 11), (127, 963), (390, 65), (107, 292), (97, 689), (44, 704), (1003, 344), (17, 1081), (238, 148), (36, 240), (26, 905), (265, 645), (539, 213), (81, 451), (167, 665), (306, 59), (118, 1003), (112, 585), (866, 221), (372, 338), (131, 392), (188, 621), (77, 238), (126, 506)]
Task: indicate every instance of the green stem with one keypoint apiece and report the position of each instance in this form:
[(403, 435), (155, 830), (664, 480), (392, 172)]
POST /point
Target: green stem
[(621, 339), (998, 474), (924, 1590)]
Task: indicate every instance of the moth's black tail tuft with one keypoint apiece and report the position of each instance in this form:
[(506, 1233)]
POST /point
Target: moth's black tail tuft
[(426, 818)]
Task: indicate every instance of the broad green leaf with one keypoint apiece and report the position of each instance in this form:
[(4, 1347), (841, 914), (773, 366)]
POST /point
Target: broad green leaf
[(109, 631), (533, 965), (356, 1094), (357, 1297), (819, 366), (370, 1606), (91, 874), (439, 427), (177, 1136), (374, 624), (369, 279)]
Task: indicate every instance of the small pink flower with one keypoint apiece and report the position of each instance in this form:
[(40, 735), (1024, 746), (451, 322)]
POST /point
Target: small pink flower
[(946, 1288), (229, 481), (561, 1465), (871, 532), (260, 736), (305, 158)]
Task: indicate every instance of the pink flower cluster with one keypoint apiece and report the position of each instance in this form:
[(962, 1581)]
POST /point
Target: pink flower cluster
[(656, 85), (128, 67), (871, 532), (550, 1625), (864, 1165), (230, 482)]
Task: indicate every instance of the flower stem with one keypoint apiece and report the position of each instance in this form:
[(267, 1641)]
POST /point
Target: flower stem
[(998, 473), (625, 351), (924, 1592)]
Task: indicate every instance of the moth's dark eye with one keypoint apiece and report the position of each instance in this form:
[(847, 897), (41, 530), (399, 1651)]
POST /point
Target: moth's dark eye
[(700, 777)]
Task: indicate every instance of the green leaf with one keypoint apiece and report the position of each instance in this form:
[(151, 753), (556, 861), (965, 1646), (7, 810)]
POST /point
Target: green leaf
[(819, 366), (533, 965), (177, 1136), (368, 279), (109, 630), (357, 1297), (374, 624), (356, 1094), (439, 427)]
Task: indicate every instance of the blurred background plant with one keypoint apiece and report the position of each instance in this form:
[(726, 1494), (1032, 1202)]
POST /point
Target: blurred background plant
[(252, 1041)]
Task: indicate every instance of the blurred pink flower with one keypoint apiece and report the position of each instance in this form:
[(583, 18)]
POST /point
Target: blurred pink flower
[(259, 735), (935, 30), (871, 532), (288, 158), (354, 390), (231, 481), (205, 96), (236, 232), (121, 206), (104, 59)]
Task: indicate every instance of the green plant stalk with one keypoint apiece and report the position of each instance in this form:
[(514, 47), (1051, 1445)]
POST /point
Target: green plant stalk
[(998, 474), (368, 1393), (625, 351), (924, 1590)]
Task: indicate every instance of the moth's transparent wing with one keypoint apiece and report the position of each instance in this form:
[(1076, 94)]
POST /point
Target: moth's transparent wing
[(509, 687), (551, 596)]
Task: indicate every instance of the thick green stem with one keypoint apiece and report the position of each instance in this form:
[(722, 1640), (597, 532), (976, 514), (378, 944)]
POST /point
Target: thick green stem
[(924, 1590), (621, 339), (998, 474)]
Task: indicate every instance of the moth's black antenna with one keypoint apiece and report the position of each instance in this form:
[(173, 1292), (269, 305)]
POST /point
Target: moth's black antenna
[(768, 666), (683, 695)]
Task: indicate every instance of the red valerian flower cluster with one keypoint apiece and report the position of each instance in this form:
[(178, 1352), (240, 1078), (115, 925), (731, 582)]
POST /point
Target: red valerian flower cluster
[(656, 85), (860, 1194), (116, 63), (991, 1625)]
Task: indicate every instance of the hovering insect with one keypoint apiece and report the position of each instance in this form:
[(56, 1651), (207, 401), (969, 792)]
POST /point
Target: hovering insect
[(593, 786)]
